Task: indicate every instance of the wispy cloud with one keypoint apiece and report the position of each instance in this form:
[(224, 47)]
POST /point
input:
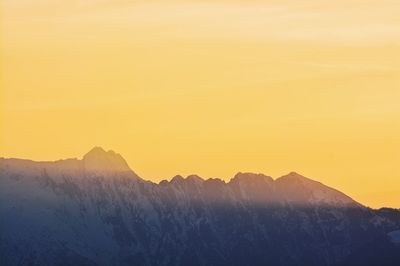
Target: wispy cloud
[(351, 67), (350, 22)]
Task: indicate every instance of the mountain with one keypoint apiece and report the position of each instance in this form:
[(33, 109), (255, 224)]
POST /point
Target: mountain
[(98, 159), (97, 211)]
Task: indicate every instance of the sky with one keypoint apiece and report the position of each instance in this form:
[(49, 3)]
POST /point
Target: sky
[(209, 87)]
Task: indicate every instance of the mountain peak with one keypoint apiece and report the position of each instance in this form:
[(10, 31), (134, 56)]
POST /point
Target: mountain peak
[(294, 177), (302, 190), (177, 179), (97, 159), (194, 178), (252, 177), (95, 150)]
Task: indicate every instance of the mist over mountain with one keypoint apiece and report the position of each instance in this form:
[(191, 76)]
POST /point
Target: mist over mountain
[(97, 211)]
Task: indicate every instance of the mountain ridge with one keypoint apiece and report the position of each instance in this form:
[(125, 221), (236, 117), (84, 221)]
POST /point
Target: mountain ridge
[(63, 213), (101, 162)]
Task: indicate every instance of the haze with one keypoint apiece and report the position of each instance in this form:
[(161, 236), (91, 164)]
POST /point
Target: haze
[(210, 87)]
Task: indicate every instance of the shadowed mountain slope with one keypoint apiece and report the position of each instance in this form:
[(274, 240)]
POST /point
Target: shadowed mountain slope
[(96, 211)]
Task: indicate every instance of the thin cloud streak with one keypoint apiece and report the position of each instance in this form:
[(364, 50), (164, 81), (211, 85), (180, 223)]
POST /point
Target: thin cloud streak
[(233, 20)]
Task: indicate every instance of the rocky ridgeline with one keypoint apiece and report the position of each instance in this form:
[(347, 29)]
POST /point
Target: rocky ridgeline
[(97, 211)]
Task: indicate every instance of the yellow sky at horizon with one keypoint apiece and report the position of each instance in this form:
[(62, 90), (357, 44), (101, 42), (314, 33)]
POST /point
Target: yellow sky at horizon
[(211, 87)]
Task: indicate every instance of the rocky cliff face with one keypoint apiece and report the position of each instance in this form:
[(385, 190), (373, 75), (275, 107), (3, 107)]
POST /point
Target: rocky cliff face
[(96, 211)]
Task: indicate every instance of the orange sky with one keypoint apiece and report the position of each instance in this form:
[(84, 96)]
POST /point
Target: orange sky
[(211, 87)]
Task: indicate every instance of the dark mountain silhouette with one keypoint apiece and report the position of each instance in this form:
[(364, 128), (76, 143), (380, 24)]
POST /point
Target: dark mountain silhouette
[(96, 211)]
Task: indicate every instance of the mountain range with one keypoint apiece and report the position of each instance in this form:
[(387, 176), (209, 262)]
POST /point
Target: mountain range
[(97, 211)]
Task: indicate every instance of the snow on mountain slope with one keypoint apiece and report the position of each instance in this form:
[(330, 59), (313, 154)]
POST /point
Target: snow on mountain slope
[(96, 211), (301, 190), (98, 159)]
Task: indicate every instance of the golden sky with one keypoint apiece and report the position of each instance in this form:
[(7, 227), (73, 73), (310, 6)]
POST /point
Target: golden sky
[(209, 87)]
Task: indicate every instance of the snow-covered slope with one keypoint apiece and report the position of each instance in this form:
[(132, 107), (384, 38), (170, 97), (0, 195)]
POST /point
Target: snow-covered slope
[(96, 211)]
